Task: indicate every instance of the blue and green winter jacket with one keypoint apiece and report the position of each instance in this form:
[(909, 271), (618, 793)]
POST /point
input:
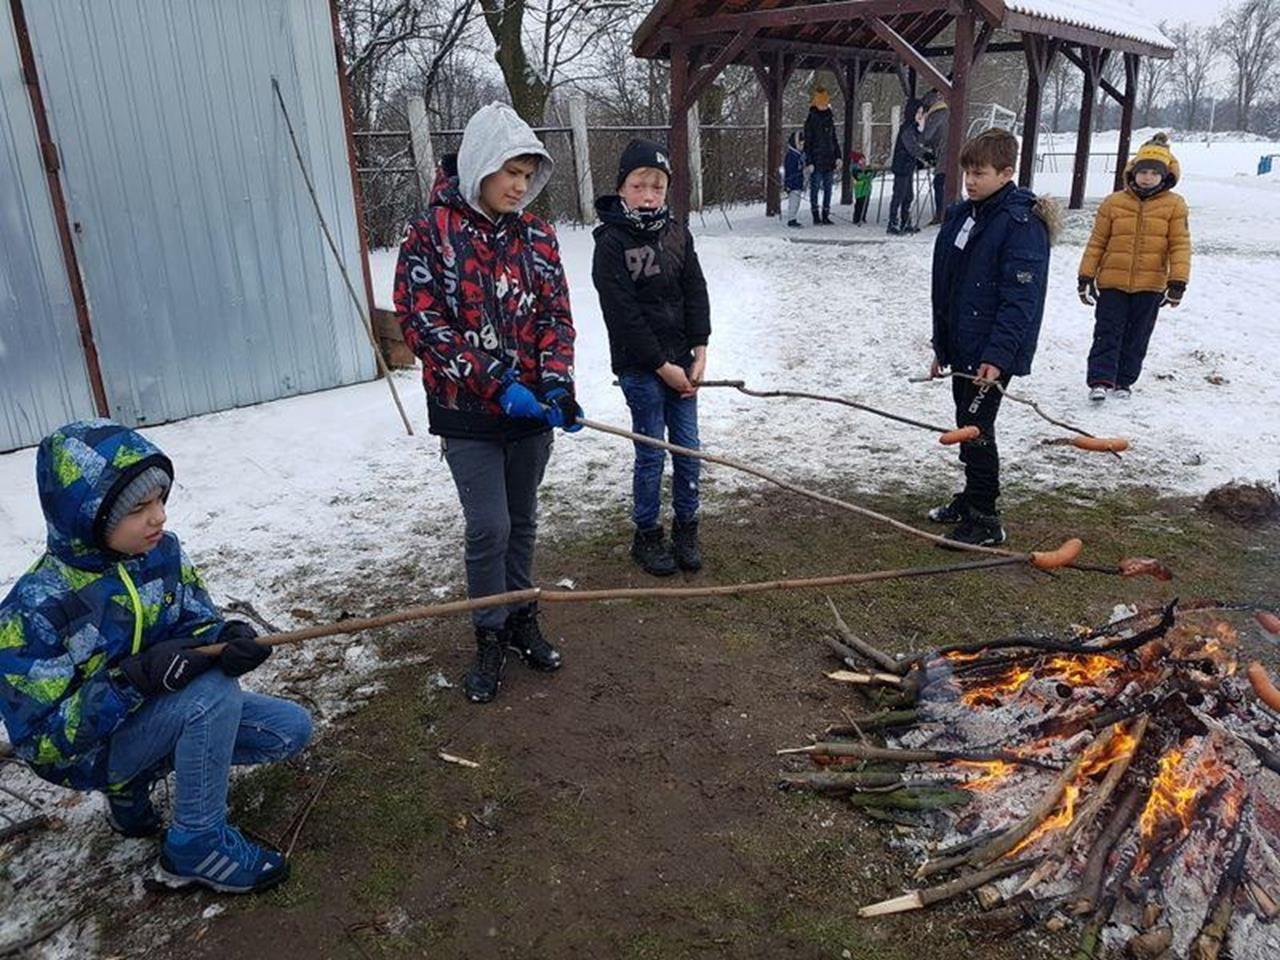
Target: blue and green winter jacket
[(82, 609)]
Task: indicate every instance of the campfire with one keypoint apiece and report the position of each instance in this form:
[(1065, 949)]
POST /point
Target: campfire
[(1126, 776)]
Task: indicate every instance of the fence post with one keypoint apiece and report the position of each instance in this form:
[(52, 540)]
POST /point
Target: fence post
[(895, 121), (695, 157), (866, 130), (582, 158), (424, 159)]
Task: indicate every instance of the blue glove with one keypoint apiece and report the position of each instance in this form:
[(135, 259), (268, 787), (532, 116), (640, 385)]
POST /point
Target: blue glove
[(517, 400), (562, 410)]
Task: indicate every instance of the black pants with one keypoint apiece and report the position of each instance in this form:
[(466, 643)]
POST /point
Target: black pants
[(978, 404), (1122, 328), (900, 202), (939, 190), (860, 209)]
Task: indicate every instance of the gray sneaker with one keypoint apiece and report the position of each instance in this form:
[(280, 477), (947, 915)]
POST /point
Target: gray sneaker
[(1098, 394), (1121, 393)]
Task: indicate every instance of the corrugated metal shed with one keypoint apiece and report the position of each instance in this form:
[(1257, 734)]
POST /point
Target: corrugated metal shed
[(208, 280), (42, 372)]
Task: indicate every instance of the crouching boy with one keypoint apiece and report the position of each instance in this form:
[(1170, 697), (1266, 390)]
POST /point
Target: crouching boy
[(102, 686), (990, 270)]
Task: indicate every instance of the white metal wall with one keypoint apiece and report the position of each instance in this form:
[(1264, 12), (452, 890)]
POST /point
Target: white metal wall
[(43, 379), (208, 280)]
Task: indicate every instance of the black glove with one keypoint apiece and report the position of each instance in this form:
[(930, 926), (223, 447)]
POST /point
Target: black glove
[(1173, 293), (166, 667), (242, 652), (1087, 289)]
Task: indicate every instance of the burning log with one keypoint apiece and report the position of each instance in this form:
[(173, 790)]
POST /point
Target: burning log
[(912, 798), (1209, 942), (866, 751), (917, 899)]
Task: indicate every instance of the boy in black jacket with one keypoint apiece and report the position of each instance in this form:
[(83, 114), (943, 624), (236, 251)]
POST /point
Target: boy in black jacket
[(654, 301)]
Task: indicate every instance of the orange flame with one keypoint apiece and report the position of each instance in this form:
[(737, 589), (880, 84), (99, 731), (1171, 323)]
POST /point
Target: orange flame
[(1079, 671), (1175, 793), (1003, 686), (994, 772)]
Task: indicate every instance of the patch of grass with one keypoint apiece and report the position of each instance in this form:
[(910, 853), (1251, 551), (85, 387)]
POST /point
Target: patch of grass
[(652, 946)]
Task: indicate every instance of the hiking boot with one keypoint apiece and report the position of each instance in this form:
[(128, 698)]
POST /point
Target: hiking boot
[(483, 680), (1098, 394), (910, 228), (894, 229), (979, 529), (936, 221), (826, 219), (794, 223), (817, 217), (220, 859), (954, 512), (1122, 393), (651, 550), (524, 636), (684, 539), (130, 811)]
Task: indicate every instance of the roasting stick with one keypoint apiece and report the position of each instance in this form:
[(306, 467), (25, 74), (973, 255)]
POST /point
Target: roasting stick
[(946, 435), (1085, 440)]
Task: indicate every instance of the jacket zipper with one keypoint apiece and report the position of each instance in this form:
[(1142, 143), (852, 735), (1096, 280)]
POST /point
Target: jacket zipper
[(1137, 245), (137, 606)]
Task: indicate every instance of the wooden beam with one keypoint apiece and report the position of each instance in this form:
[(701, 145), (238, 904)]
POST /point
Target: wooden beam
[(984, 40), (805, 14), (707, 75), (1092, 61), (679, 141), (852, 81), (771, 44), (1040, 53), (947, 50), (912, 56), (1132, 64), (957, 103), (1025, 23), (1104, 83), (778, 74)]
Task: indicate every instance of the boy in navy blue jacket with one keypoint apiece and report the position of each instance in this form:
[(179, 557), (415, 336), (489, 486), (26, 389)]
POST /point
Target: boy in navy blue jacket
[(990, 271), (793, 165)]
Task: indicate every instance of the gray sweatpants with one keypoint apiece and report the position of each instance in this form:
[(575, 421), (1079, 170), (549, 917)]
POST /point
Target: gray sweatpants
[(498, 486), (794, 199)]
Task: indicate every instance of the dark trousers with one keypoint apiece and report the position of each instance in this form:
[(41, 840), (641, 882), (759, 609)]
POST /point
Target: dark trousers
[(900, 202), (939, 188), (820, 182), (860, 209), (1122, 328), (978, 404), (498, 486)]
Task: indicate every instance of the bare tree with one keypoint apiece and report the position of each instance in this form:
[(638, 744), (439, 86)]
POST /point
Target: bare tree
[(538, 41), (1153, 78), (1061, 84), (1250, 36), (1196, 54)]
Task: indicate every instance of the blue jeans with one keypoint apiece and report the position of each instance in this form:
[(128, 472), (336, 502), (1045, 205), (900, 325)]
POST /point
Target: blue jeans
[(820, 182), (199, 732), (654, 406)]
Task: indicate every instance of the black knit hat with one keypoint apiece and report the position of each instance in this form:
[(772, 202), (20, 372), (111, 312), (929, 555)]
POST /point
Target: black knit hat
[(643, 153)]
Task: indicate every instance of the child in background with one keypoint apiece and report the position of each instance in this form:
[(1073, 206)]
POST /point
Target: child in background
[(1138, 260), (793, 166), (862, 177), (654, 301), (101, 684)]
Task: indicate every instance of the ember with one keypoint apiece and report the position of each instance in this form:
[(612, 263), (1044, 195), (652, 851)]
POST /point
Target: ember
[(1125, 775)]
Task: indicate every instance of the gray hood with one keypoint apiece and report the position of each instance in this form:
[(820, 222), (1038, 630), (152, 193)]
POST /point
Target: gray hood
[(494, 135)]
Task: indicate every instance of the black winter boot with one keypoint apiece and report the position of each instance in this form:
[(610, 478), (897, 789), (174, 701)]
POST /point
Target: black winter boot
[(524, 636), (979, 529), (484, 679), (684, 538), (826, 218), (954, 512), (894, 229), (651, 550), (817, 217)]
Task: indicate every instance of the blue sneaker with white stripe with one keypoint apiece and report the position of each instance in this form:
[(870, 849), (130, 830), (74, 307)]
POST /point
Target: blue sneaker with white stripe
[(220, 859)]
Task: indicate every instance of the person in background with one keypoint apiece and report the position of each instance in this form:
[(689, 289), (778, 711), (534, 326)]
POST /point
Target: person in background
[(793, 167), (862, 176), (909, 155), (823, 150), (937, 120)]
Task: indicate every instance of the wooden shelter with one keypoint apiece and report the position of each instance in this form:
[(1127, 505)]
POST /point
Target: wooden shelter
[(929, 42)]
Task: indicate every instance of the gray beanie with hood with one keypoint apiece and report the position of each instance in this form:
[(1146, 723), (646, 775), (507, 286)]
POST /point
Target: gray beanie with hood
[(494, 135)]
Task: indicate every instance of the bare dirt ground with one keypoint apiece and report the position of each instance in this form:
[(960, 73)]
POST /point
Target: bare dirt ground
[(626, 807)]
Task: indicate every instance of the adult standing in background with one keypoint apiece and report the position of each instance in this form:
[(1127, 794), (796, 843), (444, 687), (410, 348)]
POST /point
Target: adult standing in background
[(937, 120), (823, 150)]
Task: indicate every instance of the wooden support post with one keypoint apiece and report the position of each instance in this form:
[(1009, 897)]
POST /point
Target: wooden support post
[(679, 132), (957, 103), (1091, 63), (1040, 52), (424, 158), (582, 159), (1132, 63), (852, 81), (774, 139), (895, 121)]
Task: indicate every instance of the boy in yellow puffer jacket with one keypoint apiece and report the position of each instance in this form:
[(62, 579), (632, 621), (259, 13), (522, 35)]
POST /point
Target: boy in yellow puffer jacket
[(1138, 260)]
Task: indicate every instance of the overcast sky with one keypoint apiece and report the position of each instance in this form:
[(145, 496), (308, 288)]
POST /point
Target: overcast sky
[(1175, 11)]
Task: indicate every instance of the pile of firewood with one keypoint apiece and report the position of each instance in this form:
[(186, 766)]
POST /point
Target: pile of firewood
[(1128, 776)]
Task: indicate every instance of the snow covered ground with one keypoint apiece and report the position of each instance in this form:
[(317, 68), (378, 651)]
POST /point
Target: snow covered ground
[(289, 504)]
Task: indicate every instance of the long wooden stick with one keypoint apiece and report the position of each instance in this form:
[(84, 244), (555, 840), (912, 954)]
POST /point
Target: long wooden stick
[(741, 387), (513, 597), (796, 488), (876, 656), (918, 899), (333, 248)]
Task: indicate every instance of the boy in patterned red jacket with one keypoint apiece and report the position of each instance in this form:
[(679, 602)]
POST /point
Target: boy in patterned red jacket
[(483, 302)]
